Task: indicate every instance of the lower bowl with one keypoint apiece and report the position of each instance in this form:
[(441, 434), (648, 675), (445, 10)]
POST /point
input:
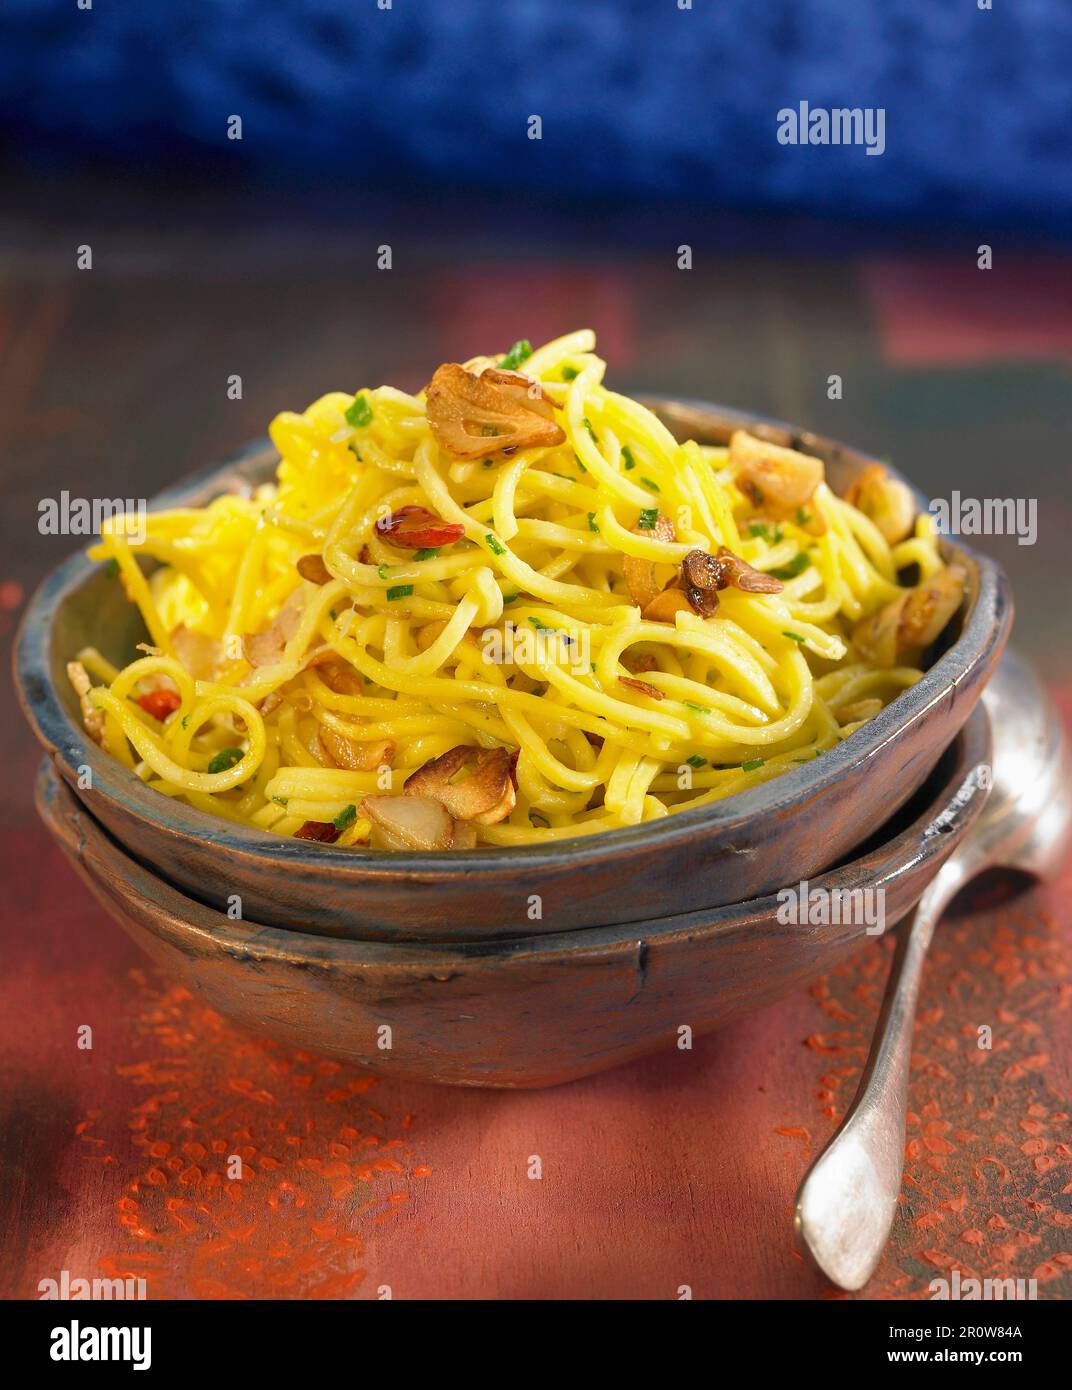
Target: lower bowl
[(529, 1011)]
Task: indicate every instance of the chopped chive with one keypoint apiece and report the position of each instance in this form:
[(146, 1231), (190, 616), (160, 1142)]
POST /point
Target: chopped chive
[(588, 426), (510, 598), (488, 463), (592, 523), (757, 528), (796, 565), (280, 800), (517, 354), (489, 430), (225, 759), (495, 545), (793, 636), (429, 554), (751, 765), (359, 414), (399, 591), (630, 461), (696, 761), (345, 818), (699, 709), (802, 517), (540, 627), (111, 569), (381, 570), (649, 484), (648, 519), (579, 464), (569, 373)]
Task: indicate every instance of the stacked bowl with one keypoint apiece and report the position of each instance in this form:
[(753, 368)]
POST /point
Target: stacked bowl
[(526, 966)]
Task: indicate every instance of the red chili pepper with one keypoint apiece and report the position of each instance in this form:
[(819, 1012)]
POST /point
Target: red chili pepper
[(321, 830), (416, 528), (160, 703)]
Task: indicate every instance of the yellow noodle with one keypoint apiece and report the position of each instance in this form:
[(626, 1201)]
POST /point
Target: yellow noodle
[(725, 702)]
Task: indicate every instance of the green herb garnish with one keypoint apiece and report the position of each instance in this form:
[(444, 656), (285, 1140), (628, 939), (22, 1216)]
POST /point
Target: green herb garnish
[(654, 487), (648, 519), (569, 373), (225, 759), (696, 761), (399, 591), (793, 636), (592, 523), (517, 354), (345, 818), (751, 765), (495, 545), (428, 554), (111, 569), (630, 461), (699, 709), (360, 413), (796, 565)]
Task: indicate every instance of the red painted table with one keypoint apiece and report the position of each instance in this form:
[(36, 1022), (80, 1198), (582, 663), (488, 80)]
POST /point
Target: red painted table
[(677, 1171)]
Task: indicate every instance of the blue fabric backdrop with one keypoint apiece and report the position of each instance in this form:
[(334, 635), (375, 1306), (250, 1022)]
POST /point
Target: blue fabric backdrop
[(637, 97)]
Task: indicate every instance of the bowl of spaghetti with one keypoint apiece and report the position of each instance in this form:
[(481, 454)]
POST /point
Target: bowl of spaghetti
[(517, 654)]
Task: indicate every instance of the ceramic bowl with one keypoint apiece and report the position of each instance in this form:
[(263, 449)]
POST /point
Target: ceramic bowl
[(537, 1010), (785, 830)]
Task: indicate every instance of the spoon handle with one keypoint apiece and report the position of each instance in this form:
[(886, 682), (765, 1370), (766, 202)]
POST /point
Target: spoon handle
[(847, 1201)]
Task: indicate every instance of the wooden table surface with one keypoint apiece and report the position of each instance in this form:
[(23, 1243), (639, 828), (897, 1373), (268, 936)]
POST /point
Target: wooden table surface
[(676, 1173)]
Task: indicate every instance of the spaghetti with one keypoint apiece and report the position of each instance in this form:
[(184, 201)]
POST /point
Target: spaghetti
[(508, 610)]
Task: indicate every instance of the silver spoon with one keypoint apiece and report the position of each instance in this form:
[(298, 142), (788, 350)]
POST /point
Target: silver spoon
[(847, 1201)]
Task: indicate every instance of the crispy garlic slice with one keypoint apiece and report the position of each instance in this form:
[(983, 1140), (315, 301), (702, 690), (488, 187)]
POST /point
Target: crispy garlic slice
[(495, 412), (780, 481), (911, 621)]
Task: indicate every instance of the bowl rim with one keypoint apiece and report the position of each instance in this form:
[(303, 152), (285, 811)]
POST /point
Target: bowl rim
[(932, 835), (979, 643)]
